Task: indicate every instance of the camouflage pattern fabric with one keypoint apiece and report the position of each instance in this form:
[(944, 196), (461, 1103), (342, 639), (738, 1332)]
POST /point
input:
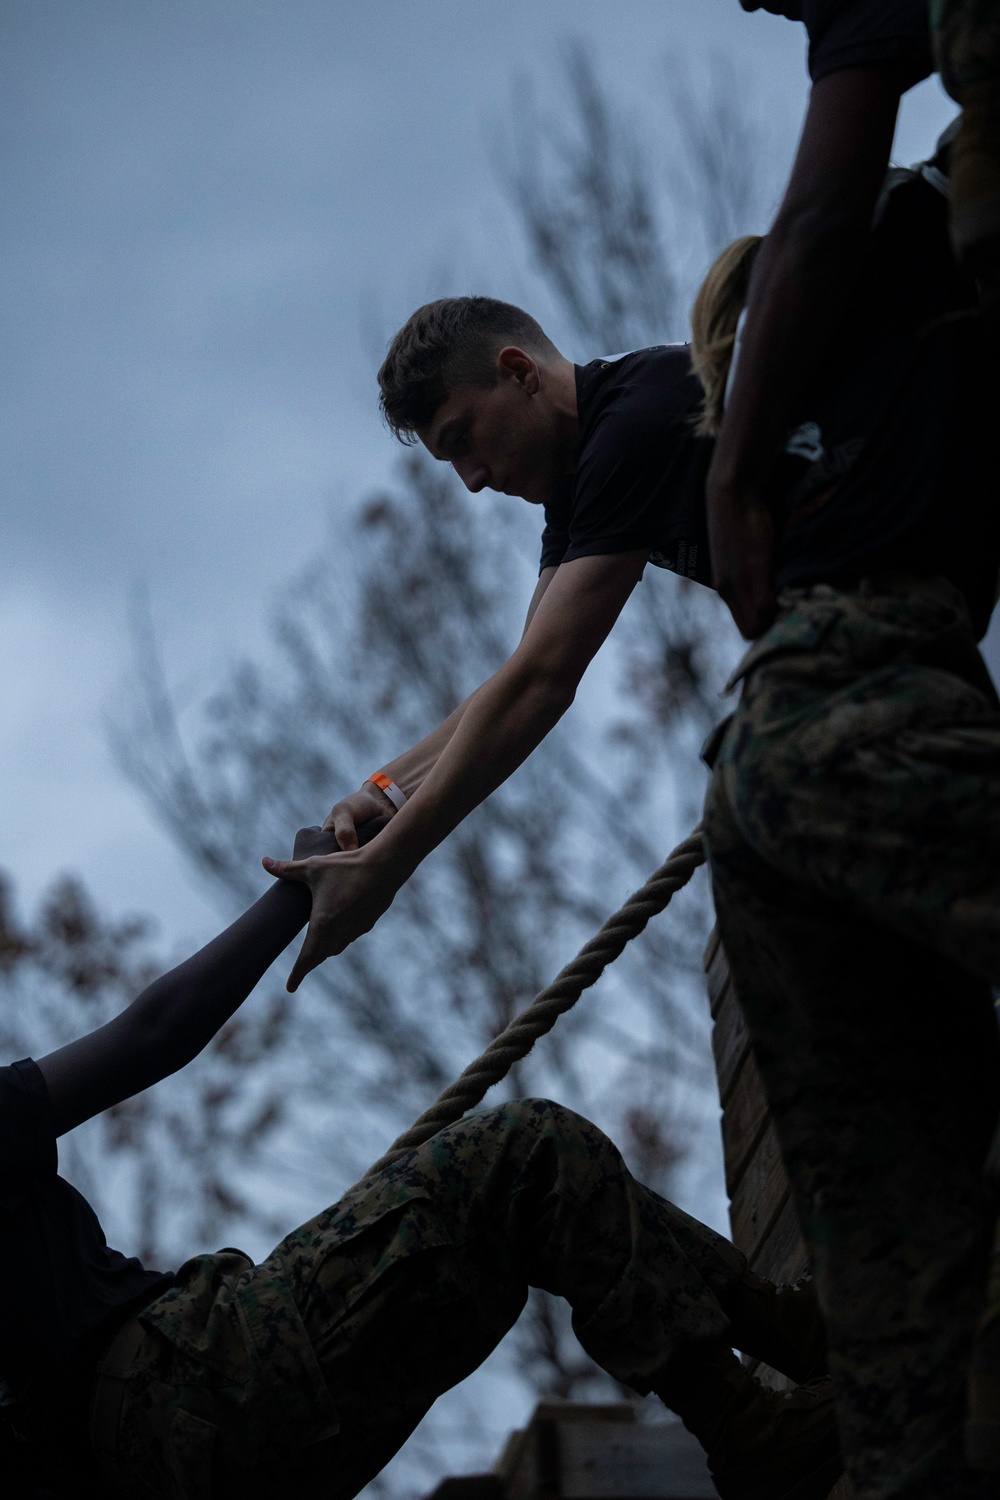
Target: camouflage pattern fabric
[(311, 1369), (853, 824)]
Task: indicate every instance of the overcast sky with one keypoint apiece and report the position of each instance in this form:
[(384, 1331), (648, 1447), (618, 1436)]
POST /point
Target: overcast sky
[(215, 215)]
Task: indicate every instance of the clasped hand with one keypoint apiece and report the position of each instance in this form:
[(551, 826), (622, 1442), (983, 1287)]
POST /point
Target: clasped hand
[(351, 888), (350, 891)]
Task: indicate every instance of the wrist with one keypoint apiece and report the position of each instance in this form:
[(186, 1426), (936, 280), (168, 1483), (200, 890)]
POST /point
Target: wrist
[(388, 789), (391, 860)]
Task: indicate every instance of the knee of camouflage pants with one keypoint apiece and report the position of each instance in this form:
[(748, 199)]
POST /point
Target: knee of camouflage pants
[(367, 1313), (533, 1194)]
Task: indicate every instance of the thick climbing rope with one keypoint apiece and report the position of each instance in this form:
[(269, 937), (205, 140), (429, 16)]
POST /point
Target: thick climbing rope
[(517, 1039)]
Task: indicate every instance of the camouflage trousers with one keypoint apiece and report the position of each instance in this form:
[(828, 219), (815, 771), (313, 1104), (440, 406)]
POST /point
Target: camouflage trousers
[(307, 1373), (853, 827)]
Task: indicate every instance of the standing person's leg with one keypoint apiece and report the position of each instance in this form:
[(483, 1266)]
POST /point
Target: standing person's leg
[(863, 761), (880, 1061), (853, 826)]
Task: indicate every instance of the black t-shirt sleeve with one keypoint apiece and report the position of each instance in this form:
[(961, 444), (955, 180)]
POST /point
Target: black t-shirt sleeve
[(27, 1135), (862, 33), (622, 490), (639, 481), (555, 536)]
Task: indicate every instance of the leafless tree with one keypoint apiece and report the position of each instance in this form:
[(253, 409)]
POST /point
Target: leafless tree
[(591, 211), (438, 583), (434, 611), (301, 1093)]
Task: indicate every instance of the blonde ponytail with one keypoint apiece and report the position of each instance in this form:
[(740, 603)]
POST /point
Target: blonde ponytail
[(714, 316)]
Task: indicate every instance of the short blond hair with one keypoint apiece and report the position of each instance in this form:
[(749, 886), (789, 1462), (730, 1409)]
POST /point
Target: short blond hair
[(714, 316)]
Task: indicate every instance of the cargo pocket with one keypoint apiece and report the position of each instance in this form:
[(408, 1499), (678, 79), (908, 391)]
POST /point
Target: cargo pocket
[(884, 705), (190, 1451)]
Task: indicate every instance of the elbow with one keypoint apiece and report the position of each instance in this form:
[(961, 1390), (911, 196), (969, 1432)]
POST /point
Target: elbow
[(158, 1034), (552, 689)]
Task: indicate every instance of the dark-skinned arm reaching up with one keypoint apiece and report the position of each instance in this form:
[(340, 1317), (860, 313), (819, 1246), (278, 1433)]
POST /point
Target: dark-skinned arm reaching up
[(179, 1013), (799, 294)]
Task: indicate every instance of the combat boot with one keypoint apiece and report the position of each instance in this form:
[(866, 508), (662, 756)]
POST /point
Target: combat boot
[(781, 1325), (760, 1444)]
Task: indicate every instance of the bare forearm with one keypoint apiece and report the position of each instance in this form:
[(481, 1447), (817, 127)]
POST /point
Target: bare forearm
[(177, 1015), (411, 769), (808, 264), (802, 283), (365, 813), (187, 1006), (801, 288), (501, 725)]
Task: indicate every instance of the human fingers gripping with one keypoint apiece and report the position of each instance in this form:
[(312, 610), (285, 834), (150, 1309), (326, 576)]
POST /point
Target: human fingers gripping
[(350, 891), (310, 956), (369, 805), (287, 869), (313, 841), (331, 930), (341, 823)]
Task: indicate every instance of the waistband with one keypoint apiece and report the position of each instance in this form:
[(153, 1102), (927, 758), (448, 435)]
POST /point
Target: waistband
[(885, 619), (886, 583)]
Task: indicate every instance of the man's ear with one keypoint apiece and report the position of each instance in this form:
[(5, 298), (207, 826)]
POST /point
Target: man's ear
[(515, 364)]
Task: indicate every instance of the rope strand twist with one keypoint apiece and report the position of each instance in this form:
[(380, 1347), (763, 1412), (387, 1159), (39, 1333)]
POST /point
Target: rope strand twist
[(517, 1039)]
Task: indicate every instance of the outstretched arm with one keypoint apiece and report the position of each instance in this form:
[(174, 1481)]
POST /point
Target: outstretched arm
[(369, 805), (802, 280), (179, 1013), (502, 723)]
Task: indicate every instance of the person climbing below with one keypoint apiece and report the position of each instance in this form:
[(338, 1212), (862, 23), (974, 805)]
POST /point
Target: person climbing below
[(311, 1369), (862, 58), (887, 530)]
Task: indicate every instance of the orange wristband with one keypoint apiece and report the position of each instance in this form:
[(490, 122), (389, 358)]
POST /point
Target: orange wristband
[(386, 784)]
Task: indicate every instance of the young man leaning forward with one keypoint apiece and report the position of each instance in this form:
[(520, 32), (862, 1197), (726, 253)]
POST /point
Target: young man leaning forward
[(853, 818), (306, 1373)]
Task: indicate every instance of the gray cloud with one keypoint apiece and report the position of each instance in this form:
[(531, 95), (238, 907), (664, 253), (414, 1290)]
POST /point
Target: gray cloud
[(214, 214)]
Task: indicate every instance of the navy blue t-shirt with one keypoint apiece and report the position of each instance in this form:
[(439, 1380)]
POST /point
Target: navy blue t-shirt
[(62, 1289), (859, 33)]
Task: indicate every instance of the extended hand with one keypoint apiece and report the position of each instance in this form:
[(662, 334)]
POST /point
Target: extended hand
[(350, 891), (741, 541)]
